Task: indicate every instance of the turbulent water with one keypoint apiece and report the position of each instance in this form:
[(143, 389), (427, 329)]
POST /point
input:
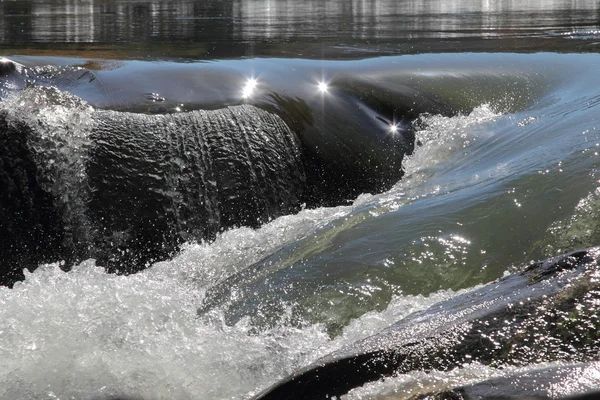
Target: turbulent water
[(504, 173), (485, 192)]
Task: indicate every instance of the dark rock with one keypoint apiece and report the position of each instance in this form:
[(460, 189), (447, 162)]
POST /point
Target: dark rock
[(564, 381)]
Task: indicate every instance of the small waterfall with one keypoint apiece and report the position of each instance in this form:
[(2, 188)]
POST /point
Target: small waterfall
[(53, 130), (163, 179), (128, 189)]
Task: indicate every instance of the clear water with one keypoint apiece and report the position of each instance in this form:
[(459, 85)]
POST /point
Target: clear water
[(513, 177)]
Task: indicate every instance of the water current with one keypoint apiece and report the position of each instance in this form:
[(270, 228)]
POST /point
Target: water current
[(505, 172)]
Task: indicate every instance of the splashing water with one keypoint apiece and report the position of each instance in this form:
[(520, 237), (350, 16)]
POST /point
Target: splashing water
[(465, 213)]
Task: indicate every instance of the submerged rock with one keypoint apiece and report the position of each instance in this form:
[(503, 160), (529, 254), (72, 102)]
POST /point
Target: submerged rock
[(548, 312)]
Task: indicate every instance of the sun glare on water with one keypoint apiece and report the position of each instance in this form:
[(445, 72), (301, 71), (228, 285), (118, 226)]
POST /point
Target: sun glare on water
[(323, 87), (249, 88)]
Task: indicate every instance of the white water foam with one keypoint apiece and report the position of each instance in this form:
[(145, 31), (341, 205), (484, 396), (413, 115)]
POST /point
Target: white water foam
[(440, 138), (88, 335), (63, 124)]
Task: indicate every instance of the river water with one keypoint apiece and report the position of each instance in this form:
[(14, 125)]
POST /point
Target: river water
[(505, 172)]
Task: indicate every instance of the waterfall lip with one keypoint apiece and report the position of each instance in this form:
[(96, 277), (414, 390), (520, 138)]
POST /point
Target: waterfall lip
[(209, 85)]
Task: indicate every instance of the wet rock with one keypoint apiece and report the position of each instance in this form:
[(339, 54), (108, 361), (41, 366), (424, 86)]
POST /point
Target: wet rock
[(562, 381), (546, 313)]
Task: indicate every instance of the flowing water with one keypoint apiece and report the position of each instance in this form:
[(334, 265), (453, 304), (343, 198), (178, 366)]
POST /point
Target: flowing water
[(505, 172)]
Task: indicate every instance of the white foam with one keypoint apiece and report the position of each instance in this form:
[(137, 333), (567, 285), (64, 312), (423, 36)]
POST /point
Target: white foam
[(85, 334), (441, 137), (63, 123)]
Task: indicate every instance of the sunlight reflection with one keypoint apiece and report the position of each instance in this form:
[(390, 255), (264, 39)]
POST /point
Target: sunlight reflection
[(249, 88), (323, 87)]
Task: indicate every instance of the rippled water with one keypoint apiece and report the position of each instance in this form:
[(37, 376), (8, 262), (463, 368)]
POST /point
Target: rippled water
[(340, 28), (505, 172)]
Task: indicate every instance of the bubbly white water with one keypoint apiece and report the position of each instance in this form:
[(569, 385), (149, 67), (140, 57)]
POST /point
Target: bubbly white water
[(87, 334)]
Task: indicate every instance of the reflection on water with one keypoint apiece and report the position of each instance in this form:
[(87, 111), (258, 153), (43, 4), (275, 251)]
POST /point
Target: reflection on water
[(391, 19), (211, 24), (111, 21)]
